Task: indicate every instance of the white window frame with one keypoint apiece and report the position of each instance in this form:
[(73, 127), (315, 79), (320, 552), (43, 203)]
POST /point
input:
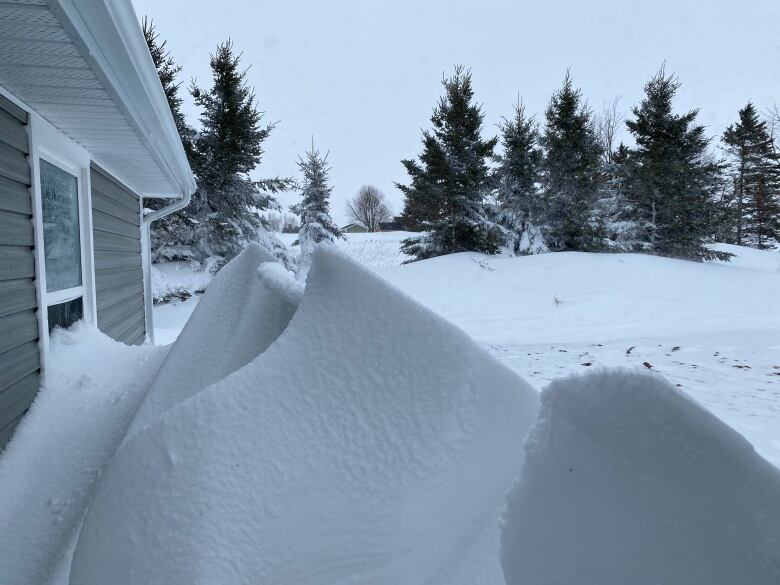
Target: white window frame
[(51, 145)]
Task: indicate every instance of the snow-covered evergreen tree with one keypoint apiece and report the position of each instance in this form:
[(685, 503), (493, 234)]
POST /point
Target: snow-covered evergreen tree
[(314, 207), (517, 178), (451, 179), (168, 71), (615, 208), (170, 232), (754, 203), (228, 203), (226, 211), (674, 179), (571, 173)]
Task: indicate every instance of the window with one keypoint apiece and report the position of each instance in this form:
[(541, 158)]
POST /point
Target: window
[(65, 314), (61, 239)]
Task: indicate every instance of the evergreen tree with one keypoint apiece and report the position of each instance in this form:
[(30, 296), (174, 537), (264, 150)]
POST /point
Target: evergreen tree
[(168, 233), (451, 179), (168, 71), (314, 208), (673, 180), (228, 204), (615, 206), (517, 178), (571, 173), (754, 204)]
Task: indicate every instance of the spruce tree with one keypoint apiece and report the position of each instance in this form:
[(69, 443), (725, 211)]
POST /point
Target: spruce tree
[(168, 71), (170, 232), (674, 179), (314, 207), (571, 173), (228, 203), (451, 179), (517, 178), (754, 205)]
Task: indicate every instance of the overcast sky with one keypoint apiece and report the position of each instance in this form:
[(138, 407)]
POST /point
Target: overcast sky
[(362, 76)]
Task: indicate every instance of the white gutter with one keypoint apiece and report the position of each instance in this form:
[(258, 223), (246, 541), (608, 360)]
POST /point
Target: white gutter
[(146, 247)]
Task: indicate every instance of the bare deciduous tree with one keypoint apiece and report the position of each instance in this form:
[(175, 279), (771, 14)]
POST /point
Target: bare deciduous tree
[(607, 124), (774, 125), (369, 207)]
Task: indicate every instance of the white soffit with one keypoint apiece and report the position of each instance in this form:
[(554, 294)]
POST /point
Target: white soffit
[(83, 65)]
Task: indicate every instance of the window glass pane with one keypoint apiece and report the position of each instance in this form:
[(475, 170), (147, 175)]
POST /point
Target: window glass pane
[(61, 242), (65, 314)]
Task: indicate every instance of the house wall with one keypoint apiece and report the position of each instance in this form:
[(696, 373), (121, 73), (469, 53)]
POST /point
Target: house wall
[(119, 292), (19, 353)]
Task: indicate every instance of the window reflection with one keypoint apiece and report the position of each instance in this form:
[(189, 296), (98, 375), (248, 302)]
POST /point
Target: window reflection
[(62, 246)]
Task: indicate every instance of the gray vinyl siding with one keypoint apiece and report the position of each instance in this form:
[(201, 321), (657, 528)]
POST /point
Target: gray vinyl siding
[(19, 355), (119, 290)]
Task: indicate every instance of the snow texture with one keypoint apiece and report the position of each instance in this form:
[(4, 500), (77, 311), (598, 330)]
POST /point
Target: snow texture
[(363, 446), (238, 317), (627, 480), (49, 469), (281, 281)]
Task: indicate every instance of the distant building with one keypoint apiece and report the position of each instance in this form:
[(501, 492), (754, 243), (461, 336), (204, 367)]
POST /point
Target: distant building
[(396, 225), (354, 228)]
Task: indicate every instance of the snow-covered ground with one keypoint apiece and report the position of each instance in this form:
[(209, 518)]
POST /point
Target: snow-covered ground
[(345, 434), (49, 469), (712, 329), (172, 279)]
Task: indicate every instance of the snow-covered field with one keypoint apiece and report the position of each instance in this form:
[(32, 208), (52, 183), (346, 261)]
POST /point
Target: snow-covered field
[(711, 329)]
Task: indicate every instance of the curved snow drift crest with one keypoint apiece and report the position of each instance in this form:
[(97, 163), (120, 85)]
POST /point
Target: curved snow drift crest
[(627, 480), (238, 317), (371, 442)]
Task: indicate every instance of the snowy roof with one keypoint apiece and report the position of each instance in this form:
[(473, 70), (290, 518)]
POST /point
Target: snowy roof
[(84, 66)]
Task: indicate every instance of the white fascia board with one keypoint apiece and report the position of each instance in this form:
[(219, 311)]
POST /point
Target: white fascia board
[(110, 38)]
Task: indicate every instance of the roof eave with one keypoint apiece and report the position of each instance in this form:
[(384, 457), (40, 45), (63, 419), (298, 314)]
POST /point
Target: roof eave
[(108, 35)]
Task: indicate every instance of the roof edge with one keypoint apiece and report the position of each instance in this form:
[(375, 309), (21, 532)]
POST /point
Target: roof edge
[(110, 39)]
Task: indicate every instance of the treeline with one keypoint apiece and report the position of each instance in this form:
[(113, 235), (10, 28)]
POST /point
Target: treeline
[(565, 184)]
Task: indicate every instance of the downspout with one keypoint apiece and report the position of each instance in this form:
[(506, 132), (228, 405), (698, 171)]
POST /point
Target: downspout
[(146, 238)]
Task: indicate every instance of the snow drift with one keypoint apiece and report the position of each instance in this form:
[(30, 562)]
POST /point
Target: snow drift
[(371, 442), (49, 469), (239, 316), (626, 480)]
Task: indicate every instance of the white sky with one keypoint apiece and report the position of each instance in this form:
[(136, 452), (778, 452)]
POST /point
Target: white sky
[(362, 76)]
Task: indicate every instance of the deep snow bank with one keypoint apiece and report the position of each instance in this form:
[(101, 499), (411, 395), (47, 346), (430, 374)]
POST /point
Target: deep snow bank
[(627, 480), (49, 469), (601, 297), (239, 316), (372, 442)]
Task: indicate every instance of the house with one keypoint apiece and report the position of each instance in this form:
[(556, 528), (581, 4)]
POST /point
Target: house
[(354, 228), (396, 225), (85, 134)]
